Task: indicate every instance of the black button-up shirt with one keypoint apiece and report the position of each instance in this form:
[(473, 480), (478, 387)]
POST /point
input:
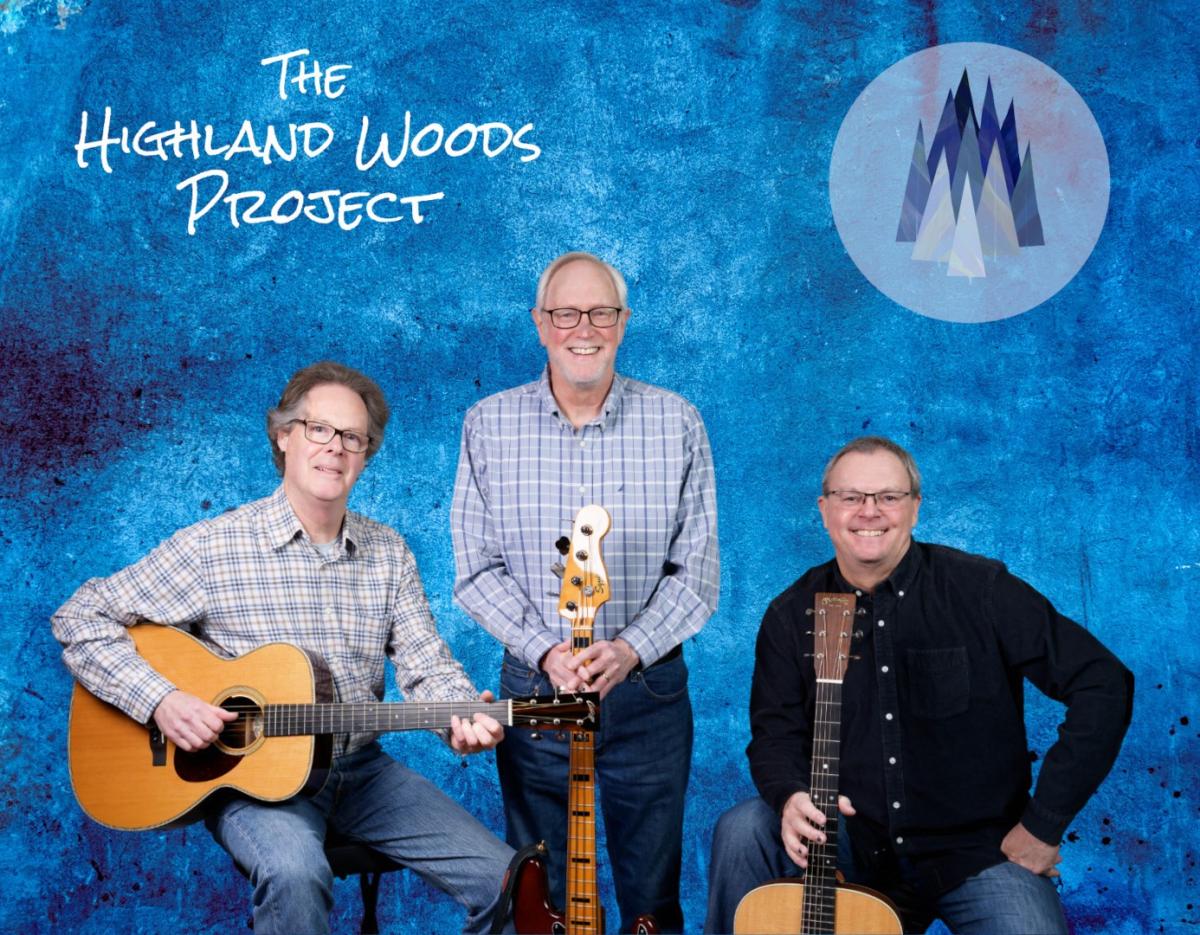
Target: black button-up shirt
[(933, 751)]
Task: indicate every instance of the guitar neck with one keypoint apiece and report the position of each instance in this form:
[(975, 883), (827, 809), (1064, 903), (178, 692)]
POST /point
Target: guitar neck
[(290, 720), (820, 891)]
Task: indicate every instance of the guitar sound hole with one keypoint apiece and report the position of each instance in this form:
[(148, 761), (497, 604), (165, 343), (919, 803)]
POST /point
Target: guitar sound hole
[(245, 731)]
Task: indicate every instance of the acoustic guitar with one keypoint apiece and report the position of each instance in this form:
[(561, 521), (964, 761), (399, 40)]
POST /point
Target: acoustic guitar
[(821, 903), (584, 590), (129, 776)]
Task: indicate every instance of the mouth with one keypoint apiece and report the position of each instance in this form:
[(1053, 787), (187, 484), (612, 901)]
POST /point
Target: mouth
[(584, 351), (868, 533), (323, 469)]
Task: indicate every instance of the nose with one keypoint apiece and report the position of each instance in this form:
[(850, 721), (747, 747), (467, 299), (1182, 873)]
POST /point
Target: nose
[(870, 504)]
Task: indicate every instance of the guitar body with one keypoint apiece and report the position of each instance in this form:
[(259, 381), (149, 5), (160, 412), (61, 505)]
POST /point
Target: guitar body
[(533, 910), (128, 776), (123, 781), (775, 909)]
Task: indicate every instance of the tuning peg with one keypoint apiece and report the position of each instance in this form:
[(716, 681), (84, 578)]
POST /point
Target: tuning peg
[(861, 612), (808, 611), (857, 634), (535, 735), (558, 569), (563, 545)]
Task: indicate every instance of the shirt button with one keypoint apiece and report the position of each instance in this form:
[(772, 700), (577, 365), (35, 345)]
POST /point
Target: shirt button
[(892, 760), (895, 805), (888, 715), (883, 668), (899, 840), (582, 489), (881, 623), (583, 444), (901, 593), (857, 593)]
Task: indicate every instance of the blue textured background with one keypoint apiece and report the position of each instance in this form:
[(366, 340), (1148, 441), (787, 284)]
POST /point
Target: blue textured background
[(690, 145)]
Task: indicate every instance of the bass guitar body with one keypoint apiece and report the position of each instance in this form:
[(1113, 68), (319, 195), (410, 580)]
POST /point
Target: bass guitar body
[(776, 908), (533, 910)]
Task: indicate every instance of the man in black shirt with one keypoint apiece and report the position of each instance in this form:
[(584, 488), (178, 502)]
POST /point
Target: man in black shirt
[(935, 771)]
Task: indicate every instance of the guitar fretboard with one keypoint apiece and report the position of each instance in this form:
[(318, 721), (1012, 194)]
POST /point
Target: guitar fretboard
[(289, 720), (820, 889)]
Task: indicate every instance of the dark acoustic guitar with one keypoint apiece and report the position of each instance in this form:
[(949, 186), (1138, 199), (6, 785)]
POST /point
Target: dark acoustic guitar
[(129, 776), (584, 590), (821, 903)]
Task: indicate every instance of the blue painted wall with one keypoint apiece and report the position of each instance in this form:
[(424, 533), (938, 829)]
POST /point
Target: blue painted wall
[(690, 145)]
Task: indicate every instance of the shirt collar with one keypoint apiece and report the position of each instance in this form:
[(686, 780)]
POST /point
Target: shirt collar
[(612, 402), (900, 580), (281, 525)]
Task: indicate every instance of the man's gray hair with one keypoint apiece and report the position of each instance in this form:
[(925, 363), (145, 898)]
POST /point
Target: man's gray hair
[(291, 403), (866, 444), (558, 262)]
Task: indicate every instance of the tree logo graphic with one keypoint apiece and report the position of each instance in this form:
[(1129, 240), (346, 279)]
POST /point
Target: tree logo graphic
[(976, 229)]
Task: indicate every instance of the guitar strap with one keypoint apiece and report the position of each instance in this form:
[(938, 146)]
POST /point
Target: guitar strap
[(505, 906)]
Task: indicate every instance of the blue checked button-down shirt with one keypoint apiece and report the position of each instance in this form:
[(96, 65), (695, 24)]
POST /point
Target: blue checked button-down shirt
[(524, 472), (252, 576)]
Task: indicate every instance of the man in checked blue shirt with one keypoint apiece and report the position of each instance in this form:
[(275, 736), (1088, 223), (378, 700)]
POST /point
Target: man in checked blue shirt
[(533, 456), (299, 567)]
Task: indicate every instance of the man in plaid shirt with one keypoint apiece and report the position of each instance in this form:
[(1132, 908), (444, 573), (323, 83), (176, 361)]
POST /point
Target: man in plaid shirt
[(531, 458), (299, 567)]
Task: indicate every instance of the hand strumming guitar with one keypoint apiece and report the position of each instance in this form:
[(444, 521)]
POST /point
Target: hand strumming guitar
[(188, 722)]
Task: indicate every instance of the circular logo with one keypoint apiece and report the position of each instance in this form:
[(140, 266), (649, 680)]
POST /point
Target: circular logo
[(969, 182)]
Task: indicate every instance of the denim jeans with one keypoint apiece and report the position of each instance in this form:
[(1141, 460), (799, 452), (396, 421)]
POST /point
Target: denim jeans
[(643, 756), (1004, 899), (372, 798)]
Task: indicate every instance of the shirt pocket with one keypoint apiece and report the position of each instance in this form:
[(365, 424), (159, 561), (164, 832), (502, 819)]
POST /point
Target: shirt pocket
[(939, 682)]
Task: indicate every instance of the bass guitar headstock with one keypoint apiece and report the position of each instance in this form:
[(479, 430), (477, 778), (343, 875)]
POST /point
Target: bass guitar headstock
[(585, 579)]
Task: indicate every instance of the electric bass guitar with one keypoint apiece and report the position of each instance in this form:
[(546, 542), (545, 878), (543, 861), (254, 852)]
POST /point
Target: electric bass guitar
[(822, 903), (129, 776), (584, 590)]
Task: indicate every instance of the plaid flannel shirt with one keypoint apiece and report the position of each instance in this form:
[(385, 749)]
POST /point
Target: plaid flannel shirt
[(253, 576), (523, 473)]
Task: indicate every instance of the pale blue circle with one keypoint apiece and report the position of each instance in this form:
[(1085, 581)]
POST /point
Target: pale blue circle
[(868, 174)]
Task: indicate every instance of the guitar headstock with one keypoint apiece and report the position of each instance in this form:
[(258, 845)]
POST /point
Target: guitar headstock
[(833, 625), (585, 579), (565, 711)]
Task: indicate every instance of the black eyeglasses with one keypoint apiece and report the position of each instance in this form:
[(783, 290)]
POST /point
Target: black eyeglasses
[(322, 434), (603, 316), (884, 499)]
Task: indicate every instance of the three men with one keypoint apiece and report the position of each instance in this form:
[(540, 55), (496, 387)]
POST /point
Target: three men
[(299, 567), (935, 774), (531, 458)]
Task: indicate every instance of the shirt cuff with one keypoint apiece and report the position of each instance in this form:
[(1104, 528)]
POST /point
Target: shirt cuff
[(1044, 825), (540, 643)]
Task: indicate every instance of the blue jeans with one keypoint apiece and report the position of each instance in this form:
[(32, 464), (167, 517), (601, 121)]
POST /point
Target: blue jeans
[(1004, 899), (643, 756), (371, 798)]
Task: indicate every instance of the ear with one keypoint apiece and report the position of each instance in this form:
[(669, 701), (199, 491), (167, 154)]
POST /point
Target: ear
[(916, 510), (821, 504), (282, 437), (538, 321)]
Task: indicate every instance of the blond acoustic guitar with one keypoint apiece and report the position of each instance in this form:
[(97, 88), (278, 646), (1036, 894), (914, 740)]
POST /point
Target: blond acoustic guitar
[(128, 776), (821, 903)]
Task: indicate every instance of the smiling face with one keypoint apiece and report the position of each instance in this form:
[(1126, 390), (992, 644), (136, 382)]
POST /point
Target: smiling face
[(869, 542), (583, 358), (316, 477)]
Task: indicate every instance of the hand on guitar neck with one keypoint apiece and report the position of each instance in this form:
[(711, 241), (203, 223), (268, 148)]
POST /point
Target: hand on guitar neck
[(600, 667), (802, 822)]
